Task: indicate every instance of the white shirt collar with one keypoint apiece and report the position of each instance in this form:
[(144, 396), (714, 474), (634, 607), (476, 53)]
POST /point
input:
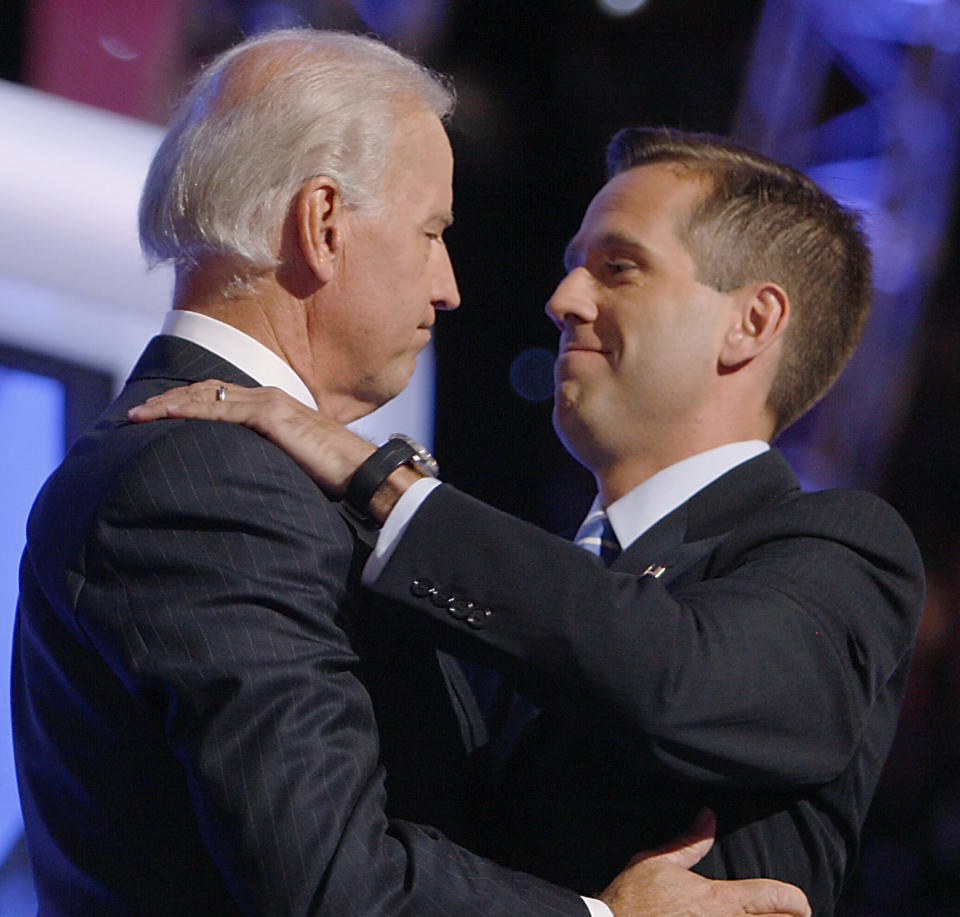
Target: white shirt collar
[(659, 495), (238, 348)]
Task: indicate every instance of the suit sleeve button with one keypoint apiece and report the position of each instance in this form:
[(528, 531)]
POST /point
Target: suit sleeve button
[(421, 588), (460, 608), (479, 617), (439, 598)]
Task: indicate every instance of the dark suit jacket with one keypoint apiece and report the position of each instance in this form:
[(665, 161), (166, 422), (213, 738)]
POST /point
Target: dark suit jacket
[(760, 674), (191, 733)]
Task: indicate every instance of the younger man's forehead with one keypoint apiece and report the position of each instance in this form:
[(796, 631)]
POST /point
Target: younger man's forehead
[(645, 190)]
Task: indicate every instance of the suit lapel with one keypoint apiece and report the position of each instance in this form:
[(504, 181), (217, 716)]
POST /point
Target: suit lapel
[(654, 544), (690, 533)]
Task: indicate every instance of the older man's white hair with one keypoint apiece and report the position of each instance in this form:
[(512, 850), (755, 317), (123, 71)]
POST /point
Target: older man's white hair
[(262, 119)]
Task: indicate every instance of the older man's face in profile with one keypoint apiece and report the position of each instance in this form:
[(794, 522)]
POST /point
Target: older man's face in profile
[(395, 270)]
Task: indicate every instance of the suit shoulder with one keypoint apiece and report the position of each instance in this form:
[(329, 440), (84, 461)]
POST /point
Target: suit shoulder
[(209, 453), (851, 513), (170, 472), (823, 526), (211, 464)]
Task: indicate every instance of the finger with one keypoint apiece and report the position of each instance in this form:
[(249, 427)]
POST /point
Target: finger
[(768, 897), (686, 849), (150, 411), (234, 412), (202, 400), (198, 391), (211, 391)]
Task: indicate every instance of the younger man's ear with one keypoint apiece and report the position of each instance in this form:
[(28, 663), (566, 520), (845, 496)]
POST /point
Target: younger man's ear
[(760, 320), (319, 209)]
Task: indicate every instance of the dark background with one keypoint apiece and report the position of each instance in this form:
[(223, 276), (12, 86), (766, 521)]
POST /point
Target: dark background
[(566, 77)]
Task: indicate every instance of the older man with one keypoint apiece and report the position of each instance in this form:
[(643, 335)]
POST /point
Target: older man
[(192, 731), (747, 648)]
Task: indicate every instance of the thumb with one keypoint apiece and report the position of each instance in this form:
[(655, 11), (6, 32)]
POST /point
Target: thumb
[(686, 849), (775, 898)]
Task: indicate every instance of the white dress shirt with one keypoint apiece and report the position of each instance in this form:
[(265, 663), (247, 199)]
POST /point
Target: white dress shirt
[(658, 496)]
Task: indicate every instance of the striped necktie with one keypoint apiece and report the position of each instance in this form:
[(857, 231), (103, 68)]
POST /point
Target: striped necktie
[(596, 536)]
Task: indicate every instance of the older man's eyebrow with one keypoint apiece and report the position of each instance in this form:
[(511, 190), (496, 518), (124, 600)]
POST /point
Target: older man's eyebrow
[(440, 220)]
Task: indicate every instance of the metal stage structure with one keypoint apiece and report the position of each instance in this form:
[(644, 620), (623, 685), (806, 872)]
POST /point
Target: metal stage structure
[(864, 95)]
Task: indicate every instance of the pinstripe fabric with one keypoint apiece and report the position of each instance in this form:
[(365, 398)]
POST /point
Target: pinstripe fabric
[(759, 674), (192, 736)]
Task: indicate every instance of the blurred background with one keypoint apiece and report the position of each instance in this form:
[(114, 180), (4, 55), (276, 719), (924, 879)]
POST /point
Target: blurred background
[(862, 94)]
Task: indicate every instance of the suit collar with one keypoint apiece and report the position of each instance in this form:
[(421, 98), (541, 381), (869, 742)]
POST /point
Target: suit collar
[(650, 501), (709, 514), (741, 492), (175, 359)]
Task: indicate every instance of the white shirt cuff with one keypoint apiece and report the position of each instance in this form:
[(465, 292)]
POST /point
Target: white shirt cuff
[(597, 908), (395, 525)]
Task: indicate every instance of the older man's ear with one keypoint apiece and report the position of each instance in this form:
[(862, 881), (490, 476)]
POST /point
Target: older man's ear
[(320, 212)]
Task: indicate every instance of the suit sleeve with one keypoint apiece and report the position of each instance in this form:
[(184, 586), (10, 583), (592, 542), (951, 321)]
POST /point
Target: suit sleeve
[(215, 588), (760, 670)]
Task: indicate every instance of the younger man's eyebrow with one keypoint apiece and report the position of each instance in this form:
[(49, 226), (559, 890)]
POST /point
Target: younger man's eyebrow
[(573, 254)]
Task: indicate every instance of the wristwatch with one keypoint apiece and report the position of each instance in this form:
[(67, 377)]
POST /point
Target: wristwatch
[(369, 477)]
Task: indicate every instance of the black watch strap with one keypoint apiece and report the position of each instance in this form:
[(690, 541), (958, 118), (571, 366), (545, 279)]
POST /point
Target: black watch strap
[(368, 478)]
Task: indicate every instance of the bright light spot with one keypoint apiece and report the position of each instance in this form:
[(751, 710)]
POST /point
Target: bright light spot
[(620, 7), (117, 47)]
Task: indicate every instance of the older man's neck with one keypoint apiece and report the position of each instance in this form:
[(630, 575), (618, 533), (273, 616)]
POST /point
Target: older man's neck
[(264, 310)]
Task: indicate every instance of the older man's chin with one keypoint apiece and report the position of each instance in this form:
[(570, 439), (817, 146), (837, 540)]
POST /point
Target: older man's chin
[(384, 387)]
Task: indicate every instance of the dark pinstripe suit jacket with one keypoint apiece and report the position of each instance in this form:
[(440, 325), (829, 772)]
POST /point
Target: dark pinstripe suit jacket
[(761, 674), (191, 733)]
